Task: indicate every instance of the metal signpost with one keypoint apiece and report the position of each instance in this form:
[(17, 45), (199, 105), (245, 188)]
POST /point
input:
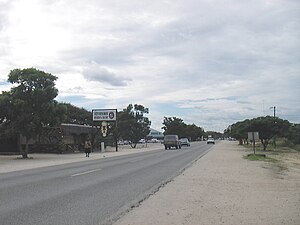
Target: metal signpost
[(253, 136), (105, 116)]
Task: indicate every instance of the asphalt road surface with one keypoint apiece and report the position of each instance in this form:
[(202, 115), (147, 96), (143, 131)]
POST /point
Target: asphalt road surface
[(93, 192)]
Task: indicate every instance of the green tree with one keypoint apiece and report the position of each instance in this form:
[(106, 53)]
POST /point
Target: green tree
[(193, 132), (174, 125), (29, 105), (76, 115), (294, 134), (240, 130), (132, 123), (268, 127)]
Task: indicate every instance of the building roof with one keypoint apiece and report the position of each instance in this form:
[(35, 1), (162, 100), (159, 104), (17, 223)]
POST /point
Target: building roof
[(155, 134)]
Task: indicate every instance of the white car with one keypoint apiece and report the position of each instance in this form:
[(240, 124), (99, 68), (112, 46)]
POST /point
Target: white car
[(142, 141), (210, 141)]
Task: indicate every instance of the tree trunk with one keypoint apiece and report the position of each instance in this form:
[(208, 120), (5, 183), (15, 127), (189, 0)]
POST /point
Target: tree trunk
[(133, 145), (265, 143), (240, 141), (25, 151), (19, 143)]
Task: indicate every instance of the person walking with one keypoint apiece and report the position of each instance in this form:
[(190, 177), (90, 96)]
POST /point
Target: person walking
[(87, 147)]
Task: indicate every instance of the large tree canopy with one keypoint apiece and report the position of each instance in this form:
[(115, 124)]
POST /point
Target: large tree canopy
[(30, 104), (268, 127), (76, 115), (294, 133), (132, 123), (174, 125)]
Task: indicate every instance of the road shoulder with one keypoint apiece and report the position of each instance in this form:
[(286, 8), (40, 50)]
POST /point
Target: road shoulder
[(223, 188)]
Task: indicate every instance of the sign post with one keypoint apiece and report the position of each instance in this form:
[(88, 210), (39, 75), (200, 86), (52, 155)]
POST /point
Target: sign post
[(105, 116), (252, 136)]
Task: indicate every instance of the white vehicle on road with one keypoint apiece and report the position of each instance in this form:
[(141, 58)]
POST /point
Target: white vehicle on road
[(210, 140)]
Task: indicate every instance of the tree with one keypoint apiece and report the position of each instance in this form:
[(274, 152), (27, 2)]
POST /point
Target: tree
[(132, 123), (76, 115), (174, 125), (193, 132), (240, 130), (29, 105), (294, 134), (268, 127)]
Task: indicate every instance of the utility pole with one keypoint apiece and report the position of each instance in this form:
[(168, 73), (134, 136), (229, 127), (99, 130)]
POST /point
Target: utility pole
[(274, 108)]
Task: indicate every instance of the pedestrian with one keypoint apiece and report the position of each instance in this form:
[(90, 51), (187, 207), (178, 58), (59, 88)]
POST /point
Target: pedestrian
[(87, 147)]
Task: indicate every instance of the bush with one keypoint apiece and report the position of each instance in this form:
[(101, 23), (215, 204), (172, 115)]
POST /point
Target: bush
[(285, 142)]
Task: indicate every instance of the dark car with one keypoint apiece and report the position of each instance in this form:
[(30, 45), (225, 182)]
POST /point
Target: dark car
[(184, 141), (172, 141)]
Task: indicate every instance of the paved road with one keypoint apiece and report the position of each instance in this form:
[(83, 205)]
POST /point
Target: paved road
[(94, 192)]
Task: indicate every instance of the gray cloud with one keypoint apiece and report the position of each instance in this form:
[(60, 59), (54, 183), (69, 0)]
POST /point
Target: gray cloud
[(215, 61), (100, 74), (3, 82)]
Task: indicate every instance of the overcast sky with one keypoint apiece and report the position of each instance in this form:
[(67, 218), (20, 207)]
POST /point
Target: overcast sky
[(208, 62)]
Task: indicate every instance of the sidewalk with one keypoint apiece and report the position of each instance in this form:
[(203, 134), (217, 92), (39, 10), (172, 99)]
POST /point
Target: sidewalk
[(224, 188), (10, 163)]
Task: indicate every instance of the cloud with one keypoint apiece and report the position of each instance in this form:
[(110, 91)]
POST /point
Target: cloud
[(4, 7), (3, 82), (209, 62), (101, 74)]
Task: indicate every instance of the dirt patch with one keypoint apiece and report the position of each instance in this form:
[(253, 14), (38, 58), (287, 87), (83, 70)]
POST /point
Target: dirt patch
[(288, 163)]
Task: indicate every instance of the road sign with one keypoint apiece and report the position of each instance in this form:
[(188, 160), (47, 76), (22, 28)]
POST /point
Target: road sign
[(104, 114), (253, 136)]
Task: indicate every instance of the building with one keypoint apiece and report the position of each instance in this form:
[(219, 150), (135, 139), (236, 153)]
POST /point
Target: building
[(154, 134)]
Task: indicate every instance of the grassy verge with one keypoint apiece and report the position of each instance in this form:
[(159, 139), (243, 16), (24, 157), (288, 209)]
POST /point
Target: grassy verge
[(260, 157), (281, 144), (281, 158)]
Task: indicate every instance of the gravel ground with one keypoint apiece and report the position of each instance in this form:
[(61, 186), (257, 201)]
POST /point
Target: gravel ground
[(224, 188)]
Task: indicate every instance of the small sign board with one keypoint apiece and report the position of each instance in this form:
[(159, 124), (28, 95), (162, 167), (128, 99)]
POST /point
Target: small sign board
[(104, 114), (253, 136)]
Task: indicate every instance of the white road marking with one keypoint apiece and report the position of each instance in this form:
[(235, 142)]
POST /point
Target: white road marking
[(90, 171)]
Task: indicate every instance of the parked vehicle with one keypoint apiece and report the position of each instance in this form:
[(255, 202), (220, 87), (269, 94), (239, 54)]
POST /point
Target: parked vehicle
[(172, 141), (142, 141), (184, 141), (153, 140)]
